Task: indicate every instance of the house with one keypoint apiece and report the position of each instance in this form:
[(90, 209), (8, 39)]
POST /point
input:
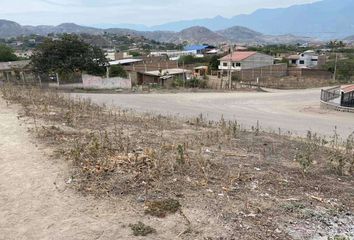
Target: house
[(201, 71), (163, 76), (24, 54), (308, 59), (245, 60), (110, 54), (17, 70), (122, 55)]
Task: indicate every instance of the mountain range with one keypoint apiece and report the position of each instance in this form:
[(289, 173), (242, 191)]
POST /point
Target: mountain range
[(326, 19), (192, 35)]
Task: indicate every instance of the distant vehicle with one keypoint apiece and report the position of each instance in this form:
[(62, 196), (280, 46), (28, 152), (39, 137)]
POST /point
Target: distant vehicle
[(53, 77)]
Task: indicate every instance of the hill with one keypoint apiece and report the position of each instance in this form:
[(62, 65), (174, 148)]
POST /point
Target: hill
[(192, 35), (198, 35), (10, 29), (239, 34), (327, 19)]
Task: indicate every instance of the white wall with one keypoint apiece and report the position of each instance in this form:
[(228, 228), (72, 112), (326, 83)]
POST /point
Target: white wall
[(95, 82), (308, 60)]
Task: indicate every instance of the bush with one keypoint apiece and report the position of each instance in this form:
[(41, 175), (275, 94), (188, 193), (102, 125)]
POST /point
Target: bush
[(7, 54), (178, 82), (117, 71), (192, 83), (140, 229), (196, 83)]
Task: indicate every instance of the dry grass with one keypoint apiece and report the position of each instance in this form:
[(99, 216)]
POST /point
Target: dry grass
[(254, 182)]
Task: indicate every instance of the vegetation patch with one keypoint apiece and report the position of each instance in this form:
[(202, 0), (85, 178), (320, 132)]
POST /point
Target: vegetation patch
[(160, 208), (140, 229)]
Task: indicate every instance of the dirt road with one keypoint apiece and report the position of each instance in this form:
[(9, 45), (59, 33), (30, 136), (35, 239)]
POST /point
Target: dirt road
[(293, 110), (37, 203)]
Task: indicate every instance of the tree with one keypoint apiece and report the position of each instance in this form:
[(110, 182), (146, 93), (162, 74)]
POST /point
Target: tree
[(117, 71), (7, 54), (68, 55), (336, 44), (345, 68), (214, 63)]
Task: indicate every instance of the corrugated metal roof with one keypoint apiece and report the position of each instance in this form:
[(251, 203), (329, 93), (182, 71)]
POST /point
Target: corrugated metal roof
[(238, 56), (195, 47), (167, 72), (125, 61)]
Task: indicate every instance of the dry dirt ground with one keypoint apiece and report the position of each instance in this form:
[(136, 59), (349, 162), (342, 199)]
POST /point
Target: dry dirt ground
[(74, 170), (36, 203)]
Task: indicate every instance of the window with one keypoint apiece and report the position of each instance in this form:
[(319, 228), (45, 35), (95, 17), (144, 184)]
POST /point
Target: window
[(314, 60), (302, 62), (293, 61), (236, 64), (224, 64)]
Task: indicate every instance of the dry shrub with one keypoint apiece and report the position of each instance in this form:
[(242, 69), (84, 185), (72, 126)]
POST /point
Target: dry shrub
[(160, 208), (140, 229)]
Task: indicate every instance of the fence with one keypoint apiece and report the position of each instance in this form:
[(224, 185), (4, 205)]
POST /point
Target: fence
[(347, 99), (344, 104), (330, 94)]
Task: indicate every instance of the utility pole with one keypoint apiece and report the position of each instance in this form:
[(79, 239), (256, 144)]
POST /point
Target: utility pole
[(230, 65), (335, 68), (184, 75), (58, 80)]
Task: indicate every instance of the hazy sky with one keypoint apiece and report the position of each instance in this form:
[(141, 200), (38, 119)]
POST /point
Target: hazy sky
[(148, 12)]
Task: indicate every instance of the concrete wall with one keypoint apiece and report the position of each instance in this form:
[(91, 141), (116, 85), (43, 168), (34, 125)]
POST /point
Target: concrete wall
[(262, 73), (95, 82), (151, 66), (311, 73), (255, 61), (330, 106)]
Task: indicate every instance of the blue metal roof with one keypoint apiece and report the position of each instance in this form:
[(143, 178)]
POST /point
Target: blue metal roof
[(195, 47)]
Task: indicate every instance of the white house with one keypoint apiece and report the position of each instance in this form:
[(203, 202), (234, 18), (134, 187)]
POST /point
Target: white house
[(308, 59), (245, 60)]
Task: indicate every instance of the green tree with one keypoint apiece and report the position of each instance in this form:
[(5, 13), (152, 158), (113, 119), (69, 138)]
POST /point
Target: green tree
[(214, 63), (117, 71), (7, 54), (345, 68), (336, 44), (68, 55), (189, 59)]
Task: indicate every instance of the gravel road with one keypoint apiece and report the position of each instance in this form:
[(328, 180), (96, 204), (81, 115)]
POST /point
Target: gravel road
[(296, 111)]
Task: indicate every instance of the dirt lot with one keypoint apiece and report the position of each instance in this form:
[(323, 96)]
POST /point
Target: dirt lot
[(75, 170), (290, 110)]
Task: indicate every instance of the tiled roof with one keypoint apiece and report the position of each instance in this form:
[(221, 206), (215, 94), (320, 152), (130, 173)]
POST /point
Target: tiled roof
[(238, 56), (348, 89)]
